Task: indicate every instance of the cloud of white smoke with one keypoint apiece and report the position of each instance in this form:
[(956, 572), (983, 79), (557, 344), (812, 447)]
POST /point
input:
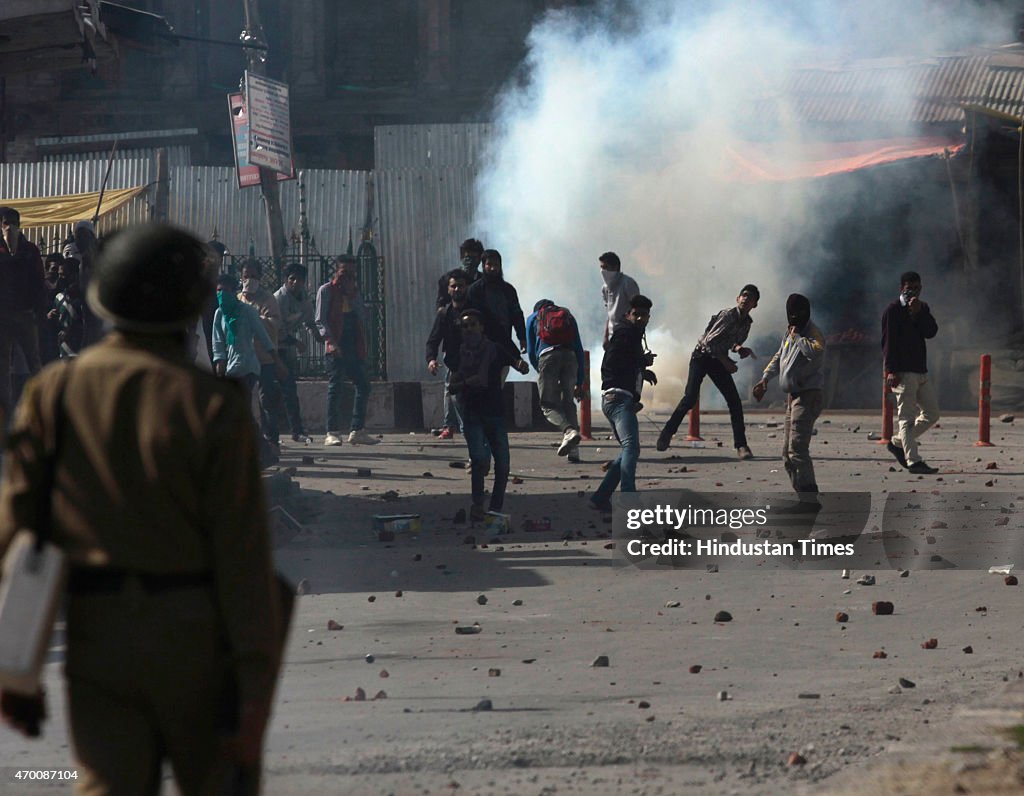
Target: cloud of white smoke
[(614, 138)]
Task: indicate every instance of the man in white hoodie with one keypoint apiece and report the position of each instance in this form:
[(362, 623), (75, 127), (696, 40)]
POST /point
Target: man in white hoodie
[(616, 292), (798, 364)]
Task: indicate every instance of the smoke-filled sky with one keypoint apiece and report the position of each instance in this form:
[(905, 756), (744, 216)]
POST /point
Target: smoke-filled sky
[(612, 138)]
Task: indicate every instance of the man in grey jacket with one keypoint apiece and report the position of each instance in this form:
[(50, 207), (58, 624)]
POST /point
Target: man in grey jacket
[(798, 364)]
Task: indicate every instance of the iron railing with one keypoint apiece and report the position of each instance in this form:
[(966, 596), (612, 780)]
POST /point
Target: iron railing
[(321, 269)]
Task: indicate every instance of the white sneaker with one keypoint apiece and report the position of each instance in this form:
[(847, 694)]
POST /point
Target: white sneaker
[(332, 440), (569, 441), (360, 437)]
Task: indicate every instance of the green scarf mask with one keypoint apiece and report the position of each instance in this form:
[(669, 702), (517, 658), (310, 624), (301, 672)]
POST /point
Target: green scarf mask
[(229, 307)]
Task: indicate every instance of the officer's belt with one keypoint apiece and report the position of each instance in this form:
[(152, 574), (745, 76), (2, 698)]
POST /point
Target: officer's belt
[(108, 581)]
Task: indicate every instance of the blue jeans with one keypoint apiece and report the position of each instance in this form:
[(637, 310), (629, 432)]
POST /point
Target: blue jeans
[(268, 393), (452, 419), (621, 413), (346, 365), (486, 436)]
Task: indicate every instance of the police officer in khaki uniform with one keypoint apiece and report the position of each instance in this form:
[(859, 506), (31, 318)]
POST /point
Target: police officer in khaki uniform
[(172, 621)]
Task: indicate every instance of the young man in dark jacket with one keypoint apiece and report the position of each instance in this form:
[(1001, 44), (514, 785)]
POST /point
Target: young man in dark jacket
[(906, 323), (477, 382), (447, 332), (498, 302), (22, 300), (623, 371), (724, 334), (470, 253)]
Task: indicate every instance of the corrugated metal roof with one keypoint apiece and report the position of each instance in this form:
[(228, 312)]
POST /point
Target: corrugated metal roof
[(919, 91), (22, 180), (413, 146), (1005, 91), (425, 215)]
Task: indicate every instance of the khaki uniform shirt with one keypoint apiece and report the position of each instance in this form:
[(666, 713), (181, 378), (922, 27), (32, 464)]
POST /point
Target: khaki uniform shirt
[(157, 472)]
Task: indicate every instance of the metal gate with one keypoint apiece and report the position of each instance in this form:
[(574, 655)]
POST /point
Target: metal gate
[(321, 269)]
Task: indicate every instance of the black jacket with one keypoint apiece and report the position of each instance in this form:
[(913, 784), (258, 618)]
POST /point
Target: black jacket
[(23, 286), (446, 331), (501, 311), (442, 285), (624, 360), (903, 336)]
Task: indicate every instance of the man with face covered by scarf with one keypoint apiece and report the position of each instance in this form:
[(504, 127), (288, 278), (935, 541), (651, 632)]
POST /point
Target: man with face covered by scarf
[(471, 253), (906, 323), (798, 364), (616, 292)]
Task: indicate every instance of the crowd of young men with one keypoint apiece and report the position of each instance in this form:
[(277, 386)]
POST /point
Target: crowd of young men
[(256, 335), (468, 299), (134, 417)]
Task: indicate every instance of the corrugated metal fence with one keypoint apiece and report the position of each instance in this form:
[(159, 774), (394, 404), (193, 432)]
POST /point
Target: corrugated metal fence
[(424, 213), (426, 177), (206, 199), (24, 180), (419, 203)]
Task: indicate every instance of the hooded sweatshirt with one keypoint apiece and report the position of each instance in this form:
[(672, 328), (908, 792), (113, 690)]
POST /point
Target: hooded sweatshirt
[(799, 360), (616, 292)]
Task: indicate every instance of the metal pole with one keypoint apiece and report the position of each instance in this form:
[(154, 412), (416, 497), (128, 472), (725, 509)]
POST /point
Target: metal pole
[(984, 402), (303, 222), (585, 407), (693, 426), (163, 188), (268, 178), (103, 187), (886, 414)]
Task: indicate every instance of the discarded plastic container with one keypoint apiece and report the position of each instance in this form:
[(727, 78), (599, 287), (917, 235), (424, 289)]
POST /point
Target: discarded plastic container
[(397, 523), (497, 523), (1003, 569)]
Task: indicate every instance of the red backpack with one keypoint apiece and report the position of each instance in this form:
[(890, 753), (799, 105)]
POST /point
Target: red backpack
[(555, 325)]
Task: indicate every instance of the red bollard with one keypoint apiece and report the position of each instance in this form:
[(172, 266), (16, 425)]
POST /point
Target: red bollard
[(984, 402), (887, 402), (585, 418), (693, 431)]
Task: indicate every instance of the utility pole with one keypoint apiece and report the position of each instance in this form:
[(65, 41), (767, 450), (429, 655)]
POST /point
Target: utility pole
[(253, 33)]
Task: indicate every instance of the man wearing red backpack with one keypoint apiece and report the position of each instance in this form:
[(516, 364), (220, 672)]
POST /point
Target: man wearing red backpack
[(555, 350)]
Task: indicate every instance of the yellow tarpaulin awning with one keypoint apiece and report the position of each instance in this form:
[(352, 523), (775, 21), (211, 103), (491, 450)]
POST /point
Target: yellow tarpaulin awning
[(48, 210)]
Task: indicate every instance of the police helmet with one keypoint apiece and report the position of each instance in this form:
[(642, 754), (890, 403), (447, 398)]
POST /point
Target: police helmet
[(150, 278)]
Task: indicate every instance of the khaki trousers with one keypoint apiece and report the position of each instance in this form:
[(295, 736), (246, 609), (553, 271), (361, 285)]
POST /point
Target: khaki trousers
[(146, 682), (556, 378), (917, 410), (802, 410)]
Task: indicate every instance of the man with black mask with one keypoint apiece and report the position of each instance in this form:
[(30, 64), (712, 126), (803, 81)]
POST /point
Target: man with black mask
[(906, 323), (798, 364), (470, 253)]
